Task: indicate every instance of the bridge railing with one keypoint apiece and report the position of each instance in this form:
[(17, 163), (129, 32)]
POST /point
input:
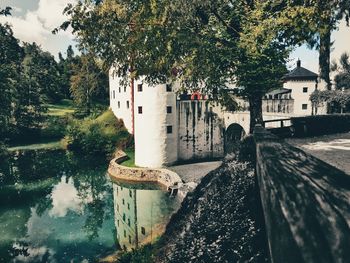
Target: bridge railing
[(306, 203)]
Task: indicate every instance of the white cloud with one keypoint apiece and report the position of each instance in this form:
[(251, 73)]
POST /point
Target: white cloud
[(36, 26), (65, 198)]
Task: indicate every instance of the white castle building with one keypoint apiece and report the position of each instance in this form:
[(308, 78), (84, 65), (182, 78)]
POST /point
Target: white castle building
[(169, 128)]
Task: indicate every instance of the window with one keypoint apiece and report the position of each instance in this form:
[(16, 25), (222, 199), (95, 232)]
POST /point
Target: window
[(123, 201), (140, 110), (124, 88), (139, 87), (128, 221), (127, 104), (118, 208), (118, 104), (130, 193), (143, 230), (124, 217), (267, 108), (128, 206), (113, 94), (169, 129), (124, 233), (118, 222), (169, 109), (120, 90), (305, 90), (169, 88), (129, 239), (304, 106)]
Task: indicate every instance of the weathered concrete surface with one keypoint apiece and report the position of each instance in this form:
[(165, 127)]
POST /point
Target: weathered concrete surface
[(218, 222), (333, 149), (194, 172), (306, 203)]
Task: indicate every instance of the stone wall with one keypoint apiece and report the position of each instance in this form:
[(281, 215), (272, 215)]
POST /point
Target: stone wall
[(165, 177), (200, 131)]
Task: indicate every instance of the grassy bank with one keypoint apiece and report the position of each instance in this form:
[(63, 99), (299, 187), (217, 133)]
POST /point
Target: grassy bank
[(97, 136)]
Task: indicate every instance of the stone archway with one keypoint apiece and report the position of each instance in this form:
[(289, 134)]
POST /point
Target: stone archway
[(233, 134)]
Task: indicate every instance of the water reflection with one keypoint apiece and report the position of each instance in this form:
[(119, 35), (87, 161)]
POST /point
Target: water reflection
[(141, 213), (54, 207), (57, 207)]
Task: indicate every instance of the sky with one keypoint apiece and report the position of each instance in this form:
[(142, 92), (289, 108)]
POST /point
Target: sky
[(33, 20)]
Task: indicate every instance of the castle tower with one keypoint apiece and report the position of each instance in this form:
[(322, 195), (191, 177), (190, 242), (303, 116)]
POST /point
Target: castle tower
[(156, 130)]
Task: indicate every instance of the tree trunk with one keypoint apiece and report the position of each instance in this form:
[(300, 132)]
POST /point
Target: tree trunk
[(255, 108), (324, 56)]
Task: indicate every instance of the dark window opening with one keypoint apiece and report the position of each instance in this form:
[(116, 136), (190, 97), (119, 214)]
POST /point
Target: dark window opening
[(118, 104), (129, 239), (143, 230), (127, 104), (169, 88), (128, 206), (169, 109), (130, 193), (124, 89), (113, 94), (124, 233), (305, 89), (140, 110), (304, 106), (139, 87), (128, 221), (120, 90), (169, 129)]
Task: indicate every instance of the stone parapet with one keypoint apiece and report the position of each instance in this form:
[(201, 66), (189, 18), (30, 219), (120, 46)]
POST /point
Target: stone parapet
[(164, 177)]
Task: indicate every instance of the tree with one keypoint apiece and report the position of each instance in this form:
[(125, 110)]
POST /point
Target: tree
[(29, 108), (6, 11), (88, 83), (327, 16), (342, 79), (11, 55), (65, 66), (211, 43)]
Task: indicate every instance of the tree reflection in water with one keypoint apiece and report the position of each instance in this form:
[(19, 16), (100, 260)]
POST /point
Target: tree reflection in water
[(54, 206)]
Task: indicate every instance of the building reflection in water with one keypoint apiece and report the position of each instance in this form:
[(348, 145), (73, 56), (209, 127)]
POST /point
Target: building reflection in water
[(141, 213)]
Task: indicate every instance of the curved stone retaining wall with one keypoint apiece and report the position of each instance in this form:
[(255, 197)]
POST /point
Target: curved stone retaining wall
[(119, 172)]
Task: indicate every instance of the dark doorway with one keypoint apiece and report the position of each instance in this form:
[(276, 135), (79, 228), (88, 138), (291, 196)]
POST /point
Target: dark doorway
[(233, 134)]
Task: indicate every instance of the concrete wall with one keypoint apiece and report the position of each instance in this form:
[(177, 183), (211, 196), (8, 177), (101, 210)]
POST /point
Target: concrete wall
[(200, 132), (154, 146), (119, 96), (300, 97)]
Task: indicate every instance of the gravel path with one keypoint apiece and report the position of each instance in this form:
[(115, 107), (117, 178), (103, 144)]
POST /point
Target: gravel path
[(333, 149), (194, 172)]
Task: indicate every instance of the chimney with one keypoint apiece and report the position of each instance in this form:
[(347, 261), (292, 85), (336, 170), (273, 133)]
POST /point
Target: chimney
[(298, 63)]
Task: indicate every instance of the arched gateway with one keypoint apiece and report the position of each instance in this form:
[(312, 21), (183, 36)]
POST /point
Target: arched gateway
[(233, 134)]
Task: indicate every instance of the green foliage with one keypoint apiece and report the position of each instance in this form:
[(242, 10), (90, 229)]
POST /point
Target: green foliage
[(331, 96), (89, 84), (145, 254), (100, 136), (342, 79)]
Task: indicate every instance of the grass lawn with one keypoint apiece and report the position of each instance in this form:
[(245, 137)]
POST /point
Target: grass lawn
[(60, 109), (38, 146), (131, 161)]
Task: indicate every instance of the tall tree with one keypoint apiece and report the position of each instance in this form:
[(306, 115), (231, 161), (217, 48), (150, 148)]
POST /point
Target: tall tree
[(342, 78), (11, 55), (88, 83), (214, 43)]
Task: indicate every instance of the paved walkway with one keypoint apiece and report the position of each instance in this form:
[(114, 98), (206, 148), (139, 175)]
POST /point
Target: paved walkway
[(333, 149), (194, 172)]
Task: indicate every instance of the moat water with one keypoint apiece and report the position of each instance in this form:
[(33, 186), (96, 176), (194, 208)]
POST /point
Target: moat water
[(56, 207)]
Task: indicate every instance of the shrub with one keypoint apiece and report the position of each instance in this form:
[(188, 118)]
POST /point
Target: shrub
[(321, 124), (100, 136)]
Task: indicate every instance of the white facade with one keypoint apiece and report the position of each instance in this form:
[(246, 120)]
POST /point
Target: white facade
[(300, 92), (120, 100), (155, 130)]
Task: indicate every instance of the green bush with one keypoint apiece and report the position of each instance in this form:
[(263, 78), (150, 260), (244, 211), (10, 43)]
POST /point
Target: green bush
[(54, 127), (100, 136), (3, 151)]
